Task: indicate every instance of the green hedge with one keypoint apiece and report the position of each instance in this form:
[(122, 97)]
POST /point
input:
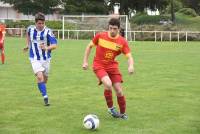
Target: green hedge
[(188, 11), (146, 19), (18, 24), (26, 23)]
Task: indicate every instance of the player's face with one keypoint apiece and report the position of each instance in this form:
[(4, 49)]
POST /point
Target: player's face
[(40, 25), (114, 30)]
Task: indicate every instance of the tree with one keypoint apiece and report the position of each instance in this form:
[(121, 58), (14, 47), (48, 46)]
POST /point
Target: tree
[(194, 4), (85, 6), (33, 6), (172, 11), (139, 5)]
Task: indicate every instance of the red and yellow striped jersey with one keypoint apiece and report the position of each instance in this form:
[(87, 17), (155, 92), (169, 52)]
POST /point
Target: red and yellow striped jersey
[(107, 48)]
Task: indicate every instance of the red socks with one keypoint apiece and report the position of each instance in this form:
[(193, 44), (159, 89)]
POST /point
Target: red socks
[(108, 97), (122, 104), (120, 99)]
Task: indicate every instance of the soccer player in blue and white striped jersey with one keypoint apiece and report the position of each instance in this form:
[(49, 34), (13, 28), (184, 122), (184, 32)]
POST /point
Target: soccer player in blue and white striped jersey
[(40, 42)]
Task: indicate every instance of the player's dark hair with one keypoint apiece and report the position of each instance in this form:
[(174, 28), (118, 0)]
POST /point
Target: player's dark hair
[(114, 22), (39, 16)]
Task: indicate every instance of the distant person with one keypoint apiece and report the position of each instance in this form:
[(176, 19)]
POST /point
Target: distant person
[(2, 38), (122, 32), (110, 44), (40, 42)]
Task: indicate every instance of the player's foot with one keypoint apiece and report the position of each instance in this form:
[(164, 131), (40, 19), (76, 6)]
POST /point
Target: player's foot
[(124, 116), (46, 102), (114, 112)]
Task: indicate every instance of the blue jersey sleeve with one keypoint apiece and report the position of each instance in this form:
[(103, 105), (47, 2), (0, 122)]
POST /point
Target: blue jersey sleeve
[(51, 38)]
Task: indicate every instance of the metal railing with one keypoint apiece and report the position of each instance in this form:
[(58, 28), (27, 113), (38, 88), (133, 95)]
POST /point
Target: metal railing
[(166, 35)]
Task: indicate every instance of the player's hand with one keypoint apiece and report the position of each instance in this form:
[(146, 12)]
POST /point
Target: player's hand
[(130, 70), (25, 49), (85, 66), (43, 47)]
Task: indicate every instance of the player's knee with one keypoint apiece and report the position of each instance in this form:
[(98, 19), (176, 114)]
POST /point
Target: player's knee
[(40, 77), (108, 84), (45, 80), (119, 93)]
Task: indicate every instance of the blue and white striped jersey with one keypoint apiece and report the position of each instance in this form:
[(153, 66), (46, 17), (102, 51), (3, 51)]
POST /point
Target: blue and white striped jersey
[(38, 37)]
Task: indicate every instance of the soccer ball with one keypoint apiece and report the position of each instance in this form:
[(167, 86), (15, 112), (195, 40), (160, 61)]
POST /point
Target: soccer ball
[(91, 121)]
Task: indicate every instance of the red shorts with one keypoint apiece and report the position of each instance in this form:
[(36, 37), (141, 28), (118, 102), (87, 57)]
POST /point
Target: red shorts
[(114, 74)]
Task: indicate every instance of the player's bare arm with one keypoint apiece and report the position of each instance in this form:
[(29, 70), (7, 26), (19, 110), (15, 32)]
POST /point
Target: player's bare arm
[(130, 63), (27, 43), (1, 41), (3, 37), (86, 56), (46, 48), (4, 34)]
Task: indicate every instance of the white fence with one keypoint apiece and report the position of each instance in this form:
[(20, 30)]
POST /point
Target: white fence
[(165, 35), (132, 35)]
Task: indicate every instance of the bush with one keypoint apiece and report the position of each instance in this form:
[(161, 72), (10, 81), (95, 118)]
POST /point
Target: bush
[(146, 19), (18, 24), (188, 11), (54, 24), (26, 23)]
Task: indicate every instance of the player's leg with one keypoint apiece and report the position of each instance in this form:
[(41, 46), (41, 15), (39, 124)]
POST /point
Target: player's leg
[(105, 80), (46, 98), (39, 72), (42, 87), (107, 90), (116, 79), (108, 96), (2, 56), (41, 83), (120, 99), (2, 53), (45, 79), (46, 65)]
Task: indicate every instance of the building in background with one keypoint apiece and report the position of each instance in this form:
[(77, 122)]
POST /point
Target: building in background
[(152, 12), (116, 8)]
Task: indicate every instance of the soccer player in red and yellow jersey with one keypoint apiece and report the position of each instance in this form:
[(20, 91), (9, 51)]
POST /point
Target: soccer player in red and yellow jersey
[(2, 37), (110, 44)]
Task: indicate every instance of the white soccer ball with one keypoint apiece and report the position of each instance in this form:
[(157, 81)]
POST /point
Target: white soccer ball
[(91, 121)]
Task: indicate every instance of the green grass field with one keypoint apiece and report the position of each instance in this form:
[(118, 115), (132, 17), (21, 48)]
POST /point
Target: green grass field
[(163, 96)]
